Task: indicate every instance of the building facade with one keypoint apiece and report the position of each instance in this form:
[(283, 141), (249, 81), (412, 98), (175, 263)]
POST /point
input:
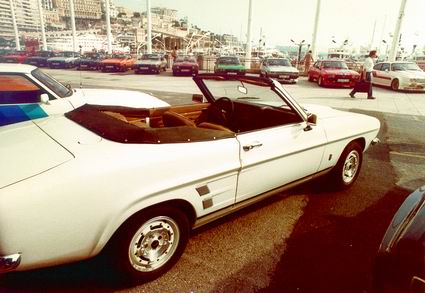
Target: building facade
[(84, 9), (26, 14)]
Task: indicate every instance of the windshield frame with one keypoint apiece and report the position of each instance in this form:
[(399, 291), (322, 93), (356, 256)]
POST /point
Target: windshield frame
[(51, 83)]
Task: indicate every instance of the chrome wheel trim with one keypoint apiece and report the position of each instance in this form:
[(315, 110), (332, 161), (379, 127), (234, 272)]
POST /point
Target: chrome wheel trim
[(351, 166), (154, 244)]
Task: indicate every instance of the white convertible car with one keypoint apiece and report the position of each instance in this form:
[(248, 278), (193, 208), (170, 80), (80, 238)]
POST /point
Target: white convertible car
[(399, 75), (129, 176)]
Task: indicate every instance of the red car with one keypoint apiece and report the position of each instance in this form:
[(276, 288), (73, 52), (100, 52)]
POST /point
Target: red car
[(117, 62), (332, 73), (15, 57), (185, 65)]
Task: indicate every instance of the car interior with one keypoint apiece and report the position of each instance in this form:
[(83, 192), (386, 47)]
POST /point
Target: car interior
[(194, 122)]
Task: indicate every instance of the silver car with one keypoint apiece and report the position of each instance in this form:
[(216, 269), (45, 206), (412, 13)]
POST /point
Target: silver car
[(279, 69)]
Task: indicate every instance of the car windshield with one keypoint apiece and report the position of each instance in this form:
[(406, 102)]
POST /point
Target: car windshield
[(228, 60), (405, 66), (91, 55), (45, 54), (278, 62), (246, 91), (68, 54), (54, 85), (118, 56), (185, 59), (334, 64), (150, 57)]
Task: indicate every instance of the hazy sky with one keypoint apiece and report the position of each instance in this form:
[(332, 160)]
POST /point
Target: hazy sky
[(282, 20)]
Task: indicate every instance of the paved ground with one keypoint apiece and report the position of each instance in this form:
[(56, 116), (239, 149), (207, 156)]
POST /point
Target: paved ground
[(307, 240)]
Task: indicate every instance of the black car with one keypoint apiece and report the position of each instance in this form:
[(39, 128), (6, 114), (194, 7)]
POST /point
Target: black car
[(40, 58), (90, 61), (400, 264)]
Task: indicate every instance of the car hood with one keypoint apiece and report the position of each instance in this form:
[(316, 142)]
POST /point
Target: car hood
[(113, 61), (282, 69), (411, 74), (324, 112), (148, 62), (53, 59), (123, 98), (185, 64), (339, 71)]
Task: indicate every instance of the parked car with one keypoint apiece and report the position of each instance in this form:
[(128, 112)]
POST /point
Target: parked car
[(90, 60), (117, 62), (400, 263), (40, 58), (66, 59), (185, 65), (280, 69), (332, 73), (4, 52), (399, 76), (229, 65), (154, 63), (15, 57), (130, 180)]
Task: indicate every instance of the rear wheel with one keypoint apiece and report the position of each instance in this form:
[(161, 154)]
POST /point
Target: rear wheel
[(150, 243), (395, 84), (346, 171)]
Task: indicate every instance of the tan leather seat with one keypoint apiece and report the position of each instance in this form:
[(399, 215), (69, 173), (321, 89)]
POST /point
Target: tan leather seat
[(173, 119), (213, 126)]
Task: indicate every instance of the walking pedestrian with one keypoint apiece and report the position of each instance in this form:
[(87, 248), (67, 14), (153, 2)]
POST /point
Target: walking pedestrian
[(367, 71), (308, 59)]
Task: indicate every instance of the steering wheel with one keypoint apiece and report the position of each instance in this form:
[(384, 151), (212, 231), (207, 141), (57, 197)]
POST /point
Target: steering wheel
[(222, 111)]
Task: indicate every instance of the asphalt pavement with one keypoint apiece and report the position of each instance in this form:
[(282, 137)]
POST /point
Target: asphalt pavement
[(309, 239)]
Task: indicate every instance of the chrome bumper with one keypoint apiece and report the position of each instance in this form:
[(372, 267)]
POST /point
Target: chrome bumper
[(9, 262), (375, 141)]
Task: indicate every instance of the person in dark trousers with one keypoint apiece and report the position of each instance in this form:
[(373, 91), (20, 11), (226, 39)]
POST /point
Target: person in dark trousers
[(367, 69)]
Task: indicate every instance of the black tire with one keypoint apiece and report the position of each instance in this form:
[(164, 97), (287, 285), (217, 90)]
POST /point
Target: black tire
[(346, 171), (395, 84), (163, 224)]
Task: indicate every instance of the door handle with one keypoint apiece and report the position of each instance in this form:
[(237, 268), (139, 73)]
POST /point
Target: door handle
[(251, 146)]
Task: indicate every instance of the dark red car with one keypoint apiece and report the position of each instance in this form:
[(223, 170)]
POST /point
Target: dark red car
[(185, 65), (332, 73), (15, 57)]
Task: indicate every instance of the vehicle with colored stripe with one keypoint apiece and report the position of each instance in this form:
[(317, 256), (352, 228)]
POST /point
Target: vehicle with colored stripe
[(332, 73), (399, 75), (129, 176), (229, 65)]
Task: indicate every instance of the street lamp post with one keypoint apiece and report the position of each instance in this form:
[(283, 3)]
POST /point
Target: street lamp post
[(249, 37), (300, 46), (393, 51), (74, 33), (43, 32), (149, 28), (316, 25), (108, 26), (15, 26)]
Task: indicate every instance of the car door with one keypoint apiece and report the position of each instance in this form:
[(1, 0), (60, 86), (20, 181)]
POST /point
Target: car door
[(382, 76), (277, 156)]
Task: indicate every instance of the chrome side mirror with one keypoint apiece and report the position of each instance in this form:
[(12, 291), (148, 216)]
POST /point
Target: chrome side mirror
[(44, 99), (311, 120)]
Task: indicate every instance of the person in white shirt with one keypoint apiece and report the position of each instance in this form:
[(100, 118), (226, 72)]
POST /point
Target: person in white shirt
[(367, 69)]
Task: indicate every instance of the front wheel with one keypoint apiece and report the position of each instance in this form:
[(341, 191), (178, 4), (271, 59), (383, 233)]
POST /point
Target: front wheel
[(150, 243), (346, 171), (395, 84)]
